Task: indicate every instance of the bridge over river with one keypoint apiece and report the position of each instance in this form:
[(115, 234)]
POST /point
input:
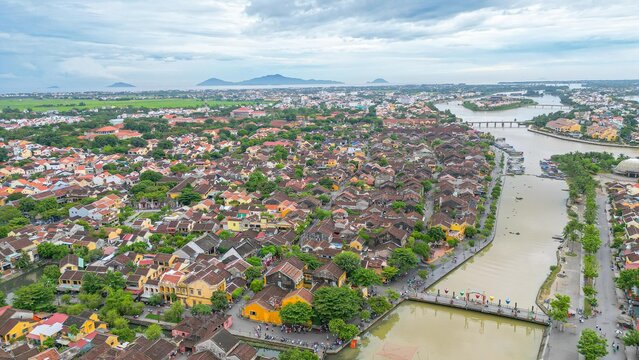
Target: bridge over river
[(487, 124), (479, 303)]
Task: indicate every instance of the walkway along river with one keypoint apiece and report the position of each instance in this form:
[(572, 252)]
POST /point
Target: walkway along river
[(531, 211)]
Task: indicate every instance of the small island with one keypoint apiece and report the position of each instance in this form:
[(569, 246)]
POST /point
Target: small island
[(496, 103)]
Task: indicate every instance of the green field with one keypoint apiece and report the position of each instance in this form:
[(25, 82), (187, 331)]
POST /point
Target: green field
[(81, 104)]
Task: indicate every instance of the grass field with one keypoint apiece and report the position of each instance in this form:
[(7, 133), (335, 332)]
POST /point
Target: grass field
[(81, 104)]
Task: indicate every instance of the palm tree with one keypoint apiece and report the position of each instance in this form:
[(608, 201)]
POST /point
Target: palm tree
[(572, 232)]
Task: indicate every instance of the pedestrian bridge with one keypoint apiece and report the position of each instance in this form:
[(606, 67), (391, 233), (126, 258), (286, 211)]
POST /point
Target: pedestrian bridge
[(482, 305), (513, 123)]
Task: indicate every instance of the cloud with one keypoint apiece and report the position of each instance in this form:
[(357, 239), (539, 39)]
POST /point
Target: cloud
[(86, 67), (168, 43), (8, 76)]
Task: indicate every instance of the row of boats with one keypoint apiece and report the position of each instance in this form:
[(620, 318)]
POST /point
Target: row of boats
[(515, 162), (550, 169)]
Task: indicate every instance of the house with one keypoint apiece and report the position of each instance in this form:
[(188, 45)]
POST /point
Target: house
[(193, 330), (287, 275), (564, 125), (71, 280), (265, 305), (14, 323), (329, 274), (71, 262), (225, 346)]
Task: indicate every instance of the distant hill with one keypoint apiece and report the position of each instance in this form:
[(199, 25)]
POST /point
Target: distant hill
[(275, 79), (379, 81), (215, 82), (53, 87), (121, 84)]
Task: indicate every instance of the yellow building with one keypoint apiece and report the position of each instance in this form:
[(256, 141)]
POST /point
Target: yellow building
[(265, 306), (195, 285), (14, 324)]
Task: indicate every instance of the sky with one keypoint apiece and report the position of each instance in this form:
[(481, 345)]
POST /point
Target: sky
[(79, 44)]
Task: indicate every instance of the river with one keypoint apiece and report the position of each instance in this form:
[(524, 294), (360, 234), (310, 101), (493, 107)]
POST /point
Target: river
[(531, 211)]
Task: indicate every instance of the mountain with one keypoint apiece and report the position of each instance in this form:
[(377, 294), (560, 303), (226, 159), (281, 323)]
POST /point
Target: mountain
[(121, 84), (278, 79), (215, 82), (53, 87), (275, 79), (379, 81)]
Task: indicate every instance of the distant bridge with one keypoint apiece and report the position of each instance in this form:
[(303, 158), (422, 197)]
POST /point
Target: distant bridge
[(549, 106), (497, 123)]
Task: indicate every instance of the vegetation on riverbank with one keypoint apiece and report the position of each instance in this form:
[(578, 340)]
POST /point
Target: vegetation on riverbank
[(514, 105)]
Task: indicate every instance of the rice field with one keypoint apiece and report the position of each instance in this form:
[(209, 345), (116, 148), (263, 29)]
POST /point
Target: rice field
[(41, 105)]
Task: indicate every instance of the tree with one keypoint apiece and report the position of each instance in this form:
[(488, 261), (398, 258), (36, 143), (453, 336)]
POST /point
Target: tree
[(299, 313), (38, 296), (153, 332), (189, 196), (422, 249), (174, 313), (628, 279), (90, 301), (436, 234), (114, 280), (3, 299), (470, 231), (256, 285), (179, 168), (51, 273), (254, 272), (336, 303), (151, 176), (422, 273), (201, 309), (379, 304), (365, 277), (403, 259), (47, 250), (24, 261), (631, 338), (92, 283), (347, 261), (219, 301), (591, 345), (389, 273), (559, 307), (342, 330), (297, 354)]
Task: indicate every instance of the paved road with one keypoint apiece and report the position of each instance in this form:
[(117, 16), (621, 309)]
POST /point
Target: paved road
[(563, 345)]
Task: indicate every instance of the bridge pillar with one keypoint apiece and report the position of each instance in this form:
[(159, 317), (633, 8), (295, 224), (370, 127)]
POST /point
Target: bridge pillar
[(502, 124)]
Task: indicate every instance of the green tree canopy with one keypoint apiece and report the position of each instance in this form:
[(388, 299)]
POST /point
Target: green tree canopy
[(219, 301), (299, 313), (336, 303), (559, 307), (591, 345), (365, 277), (403, 259), (297, 354), (347, 261)]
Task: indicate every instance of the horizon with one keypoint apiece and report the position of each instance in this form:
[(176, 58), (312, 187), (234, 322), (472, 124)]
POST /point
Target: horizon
[(168, 45)]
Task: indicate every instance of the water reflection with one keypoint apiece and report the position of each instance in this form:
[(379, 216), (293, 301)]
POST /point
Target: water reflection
[(437, 332)]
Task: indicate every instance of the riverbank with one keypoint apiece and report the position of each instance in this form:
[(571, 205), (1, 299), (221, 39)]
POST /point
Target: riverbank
[(569, 138)]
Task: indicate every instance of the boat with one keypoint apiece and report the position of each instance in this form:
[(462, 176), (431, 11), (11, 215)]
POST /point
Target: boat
[(558, 237)]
